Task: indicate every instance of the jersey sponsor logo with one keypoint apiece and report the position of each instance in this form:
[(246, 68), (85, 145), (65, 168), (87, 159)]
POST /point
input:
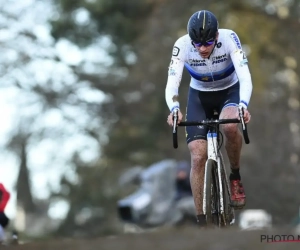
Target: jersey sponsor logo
[(243, 62), (236, 40), (175, 51), (242, 58), (172, 72), (219, 59), (219, 45), (196, 62)]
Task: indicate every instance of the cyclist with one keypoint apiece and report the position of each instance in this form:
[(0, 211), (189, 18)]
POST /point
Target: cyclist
[(4, 198), (220, 81)]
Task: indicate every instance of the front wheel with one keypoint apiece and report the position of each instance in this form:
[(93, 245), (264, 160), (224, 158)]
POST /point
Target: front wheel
[(228, 218), (211, 191)]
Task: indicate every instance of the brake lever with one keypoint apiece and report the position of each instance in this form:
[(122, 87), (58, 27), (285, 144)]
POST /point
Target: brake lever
[(244, 125), (241, 114), (175, 119)]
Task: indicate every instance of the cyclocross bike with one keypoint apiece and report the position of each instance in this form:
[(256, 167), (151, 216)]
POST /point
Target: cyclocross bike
[(217, 195)]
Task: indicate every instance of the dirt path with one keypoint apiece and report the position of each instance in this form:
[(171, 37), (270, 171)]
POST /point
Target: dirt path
[(187, 239)]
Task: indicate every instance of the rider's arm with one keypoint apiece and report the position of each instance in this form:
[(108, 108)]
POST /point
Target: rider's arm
[(240, 63), (175, 75), (5, 197)]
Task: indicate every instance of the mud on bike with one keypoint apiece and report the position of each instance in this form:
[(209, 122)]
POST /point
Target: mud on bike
[(217, 195)]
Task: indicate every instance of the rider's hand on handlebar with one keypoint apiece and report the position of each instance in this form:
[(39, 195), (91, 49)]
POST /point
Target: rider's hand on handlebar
[(246, 113), (170, 117)]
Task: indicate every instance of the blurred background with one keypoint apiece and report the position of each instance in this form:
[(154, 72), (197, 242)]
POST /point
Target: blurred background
[(84, 112)]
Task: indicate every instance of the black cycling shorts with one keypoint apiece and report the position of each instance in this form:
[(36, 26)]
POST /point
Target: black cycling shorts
[(3, 219), (202, 105)]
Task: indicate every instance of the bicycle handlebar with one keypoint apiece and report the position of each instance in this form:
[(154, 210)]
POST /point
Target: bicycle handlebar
[(209, 122)]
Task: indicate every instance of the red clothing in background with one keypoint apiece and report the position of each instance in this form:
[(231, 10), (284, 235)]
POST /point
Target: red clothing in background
[(4, 197)]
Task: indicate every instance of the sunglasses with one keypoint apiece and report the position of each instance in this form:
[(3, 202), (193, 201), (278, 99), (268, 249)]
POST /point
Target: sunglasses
[(205, 44)]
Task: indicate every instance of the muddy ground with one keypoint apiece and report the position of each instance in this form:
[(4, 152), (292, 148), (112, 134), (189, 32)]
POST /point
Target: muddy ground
[(179, 239)]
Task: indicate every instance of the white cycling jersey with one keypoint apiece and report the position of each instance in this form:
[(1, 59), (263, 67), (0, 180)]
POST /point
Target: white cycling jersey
[(226, 66)]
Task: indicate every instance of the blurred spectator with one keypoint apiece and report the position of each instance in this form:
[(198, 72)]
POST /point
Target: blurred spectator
[(183, 186), (184, 197), (4, 198)]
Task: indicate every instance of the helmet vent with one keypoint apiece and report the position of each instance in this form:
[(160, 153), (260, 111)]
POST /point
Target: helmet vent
[(195, 33)]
